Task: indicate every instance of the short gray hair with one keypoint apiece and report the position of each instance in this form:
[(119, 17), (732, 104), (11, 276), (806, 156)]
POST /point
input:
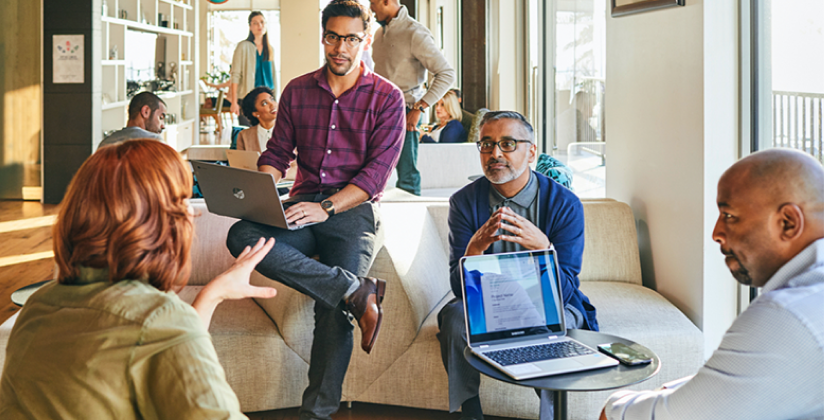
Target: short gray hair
[(511, 115)]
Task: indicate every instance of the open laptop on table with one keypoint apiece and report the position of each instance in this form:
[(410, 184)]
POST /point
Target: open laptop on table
[(515, 319), (243, 194), (244, 159)]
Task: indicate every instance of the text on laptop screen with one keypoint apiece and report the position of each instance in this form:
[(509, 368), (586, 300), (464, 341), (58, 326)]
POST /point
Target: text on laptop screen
[(510, 295)]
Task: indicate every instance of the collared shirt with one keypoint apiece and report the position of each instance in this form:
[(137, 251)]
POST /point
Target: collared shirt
[(353, 139), (264, 136), (768, 366), (404, 51), (129, 133), (524, 204), (97, 350)]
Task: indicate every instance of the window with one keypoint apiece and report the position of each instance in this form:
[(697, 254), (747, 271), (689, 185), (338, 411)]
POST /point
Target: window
[(786, 63), (566, 85)]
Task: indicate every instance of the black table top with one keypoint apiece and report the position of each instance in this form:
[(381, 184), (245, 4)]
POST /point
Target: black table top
[(590, 380)]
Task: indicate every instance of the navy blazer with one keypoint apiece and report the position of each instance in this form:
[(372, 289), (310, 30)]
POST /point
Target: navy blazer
[(454, 132), (561, 218)]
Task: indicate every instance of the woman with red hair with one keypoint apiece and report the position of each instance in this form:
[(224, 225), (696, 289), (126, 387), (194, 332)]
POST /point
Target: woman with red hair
[(110, 338)]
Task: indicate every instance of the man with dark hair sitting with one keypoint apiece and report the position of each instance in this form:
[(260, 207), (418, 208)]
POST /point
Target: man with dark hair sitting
[(147, 113), (511, 208), (347, 124)]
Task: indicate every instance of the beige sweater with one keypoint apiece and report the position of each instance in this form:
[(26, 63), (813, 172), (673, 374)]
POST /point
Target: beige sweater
[(243, 69), (403, 51)]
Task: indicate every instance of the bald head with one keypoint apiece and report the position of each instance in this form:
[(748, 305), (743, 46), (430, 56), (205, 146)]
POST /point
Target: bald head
[(771, 208), (777, 176)]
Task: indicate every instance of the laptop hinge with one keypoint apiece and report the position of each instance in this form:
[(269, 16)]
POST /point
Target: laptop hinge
[(484, 346), (552, 337)]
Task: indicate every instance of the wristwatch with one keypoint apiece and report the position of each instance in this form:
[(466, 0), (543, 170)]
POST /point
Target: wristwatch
[(328, 206)]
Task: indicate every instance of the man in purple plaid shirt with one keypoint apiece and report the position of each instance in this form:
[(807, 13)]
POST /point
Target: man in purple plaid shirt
[(347, 125)]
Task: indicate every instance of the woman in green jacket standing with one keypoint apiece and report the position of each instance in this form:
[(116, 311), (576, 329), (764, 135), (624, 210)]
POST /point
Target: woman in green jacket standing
[(253, 65)]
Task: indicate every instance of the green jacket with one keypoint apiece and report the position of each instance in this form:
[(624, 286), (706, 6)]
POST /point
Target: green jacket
[(96, 350)]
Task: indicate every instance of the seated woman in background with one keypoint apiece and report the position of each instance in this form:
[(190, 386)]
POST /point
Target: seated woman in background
[(449, 128), (110, 338), (260, 107)]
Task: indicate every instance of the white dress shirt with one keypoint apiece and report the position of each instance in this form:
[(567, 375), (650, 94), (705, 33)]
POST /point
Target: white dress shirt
[(768, 366), (264, 136)]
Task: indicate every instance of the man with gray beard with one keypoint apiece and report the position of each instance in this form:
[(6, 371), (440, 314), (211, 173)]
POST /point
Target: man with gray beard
[(511, 208)]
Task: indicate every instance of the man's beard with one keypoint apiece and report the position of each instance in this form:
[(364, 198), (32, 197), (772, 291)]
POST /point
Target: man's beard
[(502, 176), (347, 68), (742, 275)]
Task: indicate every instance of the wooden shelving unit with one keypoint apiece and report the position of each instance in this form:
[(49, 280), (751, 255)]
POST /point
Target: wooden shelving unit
[(176, 22)]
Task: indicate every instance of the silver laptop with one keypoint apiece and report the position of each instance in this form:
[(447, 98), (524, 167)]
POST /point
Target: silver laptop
[(243, 159), (243, 194), (515, 317)]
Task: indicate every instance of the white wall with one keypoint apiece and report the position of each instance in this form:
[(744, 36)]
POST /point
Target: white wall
[(671, 129), (300, 38), (507, 55)]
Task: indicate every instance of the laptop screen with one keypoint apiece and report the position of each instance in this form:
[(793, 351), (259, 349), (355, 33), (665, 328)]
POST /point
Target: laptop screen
[(511, 295)]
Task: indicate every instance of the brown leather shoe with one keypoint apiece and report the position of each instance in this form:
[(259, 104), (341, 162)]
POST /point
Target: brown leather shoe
[(365, 305)]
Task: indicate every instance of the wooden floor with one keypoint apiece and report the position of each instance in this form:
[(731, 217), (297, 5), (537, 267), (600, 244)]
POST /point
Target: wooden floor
[(25, 248), (25, 258)]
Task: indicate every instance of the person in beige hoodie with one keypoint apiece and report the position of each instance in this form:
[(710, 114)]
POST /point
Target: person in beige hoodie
[(403, 52)]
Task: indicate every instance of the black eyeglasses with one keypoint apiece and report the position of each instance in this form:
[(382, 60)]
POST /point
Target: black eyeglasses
[(351, 41), (506, 146)]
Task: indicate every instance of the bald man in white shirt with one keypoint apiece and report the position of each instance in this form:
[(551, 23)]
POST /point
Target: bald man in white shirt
[(770, 362)]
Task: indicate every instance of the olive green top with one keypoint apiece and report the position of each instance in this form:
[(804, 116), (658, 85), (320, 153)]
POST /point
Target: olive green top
[(97, 350)]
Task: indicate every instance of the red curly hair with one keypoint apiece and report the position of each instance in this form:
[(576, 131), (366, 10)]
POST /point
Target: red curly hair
[(126, 209)]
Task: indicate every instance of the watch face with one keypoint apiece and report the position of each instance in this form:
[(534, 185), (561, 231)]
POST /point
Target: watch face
[(326, 204)]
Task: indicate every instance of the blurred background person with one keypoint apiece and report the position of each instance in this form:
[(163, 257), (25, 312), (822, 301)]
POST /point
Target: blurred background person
[(252, 65), (449, 129), (260, 108)]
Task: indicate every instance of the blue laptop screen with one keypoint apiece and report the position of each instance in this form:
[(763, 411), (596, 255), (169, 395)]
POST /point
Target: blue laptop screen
[(511, 295)]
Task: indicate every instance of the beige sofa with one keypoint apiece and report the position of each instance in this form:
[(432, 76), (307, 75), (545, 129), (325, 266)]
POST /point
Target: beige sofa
[(264, 345)]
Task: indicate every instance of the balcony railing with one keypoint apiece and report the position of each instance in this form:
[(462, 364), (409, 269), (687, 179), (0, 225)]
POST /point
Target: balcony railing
[(797, 120)]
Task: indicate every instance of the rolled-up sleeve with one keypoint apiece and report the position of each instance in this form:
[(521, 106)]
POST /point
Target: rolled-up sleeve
[(384, 146)]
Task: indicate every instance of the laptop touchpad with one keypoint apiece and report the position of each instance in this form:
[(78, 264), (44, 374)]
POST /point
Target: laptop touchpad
[(524, 369), (560, 364)]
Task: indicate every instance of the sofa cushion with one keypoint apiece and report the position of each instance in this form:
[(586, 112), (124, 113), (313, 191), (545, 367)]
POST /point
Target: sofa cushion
[(262, 370), (611, 251)]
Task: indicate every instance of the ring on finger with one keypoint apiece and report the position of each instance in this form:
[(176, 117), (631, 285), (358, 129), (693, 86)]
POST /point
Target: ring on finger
[(303, 213)]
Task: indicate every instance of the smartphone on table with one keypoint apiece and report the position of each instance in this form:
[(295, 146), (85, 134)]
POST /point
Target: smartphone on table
[(626, 355)]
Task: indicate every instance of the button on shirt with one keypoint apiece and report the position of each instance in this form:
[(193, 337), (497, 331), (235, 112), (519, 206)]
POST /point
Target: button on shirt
[(264, 136), (353, 139), (524, 203), (768, 366)]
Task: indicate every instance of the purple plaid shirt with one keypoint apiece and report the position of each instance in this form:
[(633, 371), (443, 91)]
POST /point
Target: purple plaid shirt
[(353, 139)]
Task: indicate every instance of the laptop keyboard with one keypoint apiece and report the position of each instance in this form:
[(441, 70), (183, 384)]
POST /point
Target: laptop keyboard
[(537, 353)]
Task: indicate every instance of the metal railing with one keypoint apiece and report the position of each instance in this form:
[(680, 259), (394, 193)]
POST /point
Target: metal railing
[(797, 122)]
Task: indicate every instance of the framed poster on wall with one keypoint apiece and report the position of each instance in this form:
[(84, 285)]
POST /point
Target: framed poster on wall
[(627, 7)]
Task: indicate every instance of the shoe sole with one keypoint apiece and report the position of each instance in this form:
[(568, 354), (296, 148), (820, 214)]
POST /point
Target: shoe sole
[(381, 286)]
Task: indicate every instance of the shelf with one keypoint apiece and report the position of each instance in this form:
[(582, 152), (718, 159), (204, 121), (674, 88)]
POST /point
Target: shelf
[(145, 26), (177, 3), (113, 62), (173, 94), (114, 105)]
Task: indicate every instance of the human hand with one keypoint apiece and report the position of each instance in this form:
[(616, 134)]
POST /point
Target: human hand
[(306, 212), (485, 236), (235, 108), (234, 283), (413, 119), (524, 232)]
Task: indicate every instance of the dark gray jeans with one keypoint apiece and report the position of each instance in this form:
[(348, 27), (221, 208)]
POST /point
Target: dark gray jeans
[(346, 245), (462, 379)]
